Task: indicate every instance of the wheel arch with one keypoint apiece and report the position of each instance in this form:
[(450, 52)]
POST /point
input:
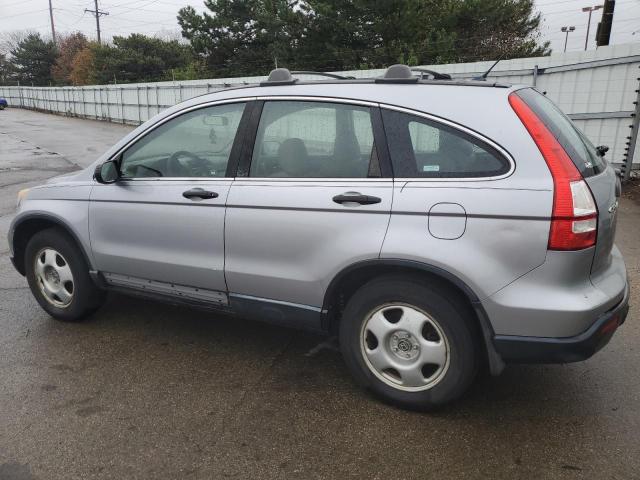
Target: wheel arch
[(348, 280), (27, 226)]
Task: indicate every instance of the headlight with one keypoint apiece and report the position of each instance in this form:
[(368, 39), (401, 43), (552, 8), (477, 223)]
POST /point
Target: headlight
[(21, 195)]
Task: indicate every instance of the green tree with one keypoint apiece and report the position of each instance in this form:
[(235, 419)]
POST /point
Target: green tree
[(68, 48), (243, 37), (6, 69), (33, 58), (376, 33), (473, 30), (138, 58), (348, 34)]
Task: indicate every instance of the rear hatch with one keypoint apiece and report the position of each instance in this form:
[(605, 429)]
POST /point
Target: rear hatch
[(599, 175)]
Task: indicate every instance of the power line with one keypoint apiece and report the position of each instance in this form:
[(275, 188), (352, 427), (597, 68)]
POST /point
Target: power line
[(25, 13), (128, 8), (22, 2)]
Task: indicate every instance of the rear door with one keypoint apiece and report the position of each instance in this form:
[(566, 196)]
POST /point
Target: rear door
[(312, 196), (599, 175)]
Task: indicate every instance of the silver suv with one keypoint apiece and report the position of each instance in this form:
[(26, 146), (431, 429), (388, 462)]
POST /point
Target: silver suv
[(435, 226)]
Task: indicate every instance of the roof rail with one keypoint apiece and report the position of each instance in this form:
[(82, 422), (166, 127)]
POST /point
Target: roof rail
[(323, 74), (435, 75), (279, 76), (397, 74)]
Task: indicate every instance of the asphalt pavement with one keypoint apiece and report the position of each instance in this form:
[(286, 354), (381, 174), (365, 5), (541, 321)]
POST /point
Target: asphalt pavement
[(150, 391)]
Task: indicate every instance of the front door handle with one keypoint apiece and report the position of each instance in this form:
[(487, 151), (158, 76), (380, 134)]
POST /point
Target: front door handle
[(199, 193), (356, 197)]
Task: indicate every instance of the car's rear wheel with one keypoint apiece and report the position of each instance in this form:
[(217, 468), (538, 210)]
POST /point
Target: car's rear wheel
[(58, 276), (410, 343)]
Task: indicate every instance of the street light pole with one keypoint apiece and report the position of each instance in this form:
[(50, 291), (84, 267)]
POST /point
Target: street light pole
[(590, 10), (566, 37)]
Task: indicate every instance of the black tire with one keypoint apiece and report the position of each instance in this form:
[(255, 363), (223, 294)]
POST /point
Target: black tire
[(442, 306), (86, 297)]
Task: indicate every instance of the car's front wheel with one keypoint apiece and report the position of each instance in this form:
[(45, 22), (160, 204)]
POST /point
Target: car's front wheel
[(410, 343), (58, 276)]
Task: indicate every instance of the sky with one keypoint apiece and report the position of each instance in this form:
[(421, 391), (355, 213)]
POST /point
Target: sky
[(158, 17)]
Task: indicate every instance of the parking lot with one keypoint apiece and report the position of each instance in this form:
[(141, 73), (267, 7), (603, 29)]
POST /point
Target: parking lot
[(146, 390)]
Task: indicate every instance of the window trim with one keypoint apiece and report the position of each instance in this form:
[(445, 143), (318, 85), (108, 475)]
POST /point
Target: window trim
[(247, 130), (234, 154), (463, 129), (379, 139)]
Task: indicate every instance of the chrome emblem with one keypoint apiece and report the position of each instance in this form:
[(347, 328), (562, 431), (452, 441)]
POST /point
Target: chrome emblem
[(613, 207)]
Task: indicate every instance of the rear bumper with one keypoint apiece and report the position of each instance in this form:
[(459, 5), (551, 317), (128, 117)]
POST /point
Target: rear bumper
[(515, 349)]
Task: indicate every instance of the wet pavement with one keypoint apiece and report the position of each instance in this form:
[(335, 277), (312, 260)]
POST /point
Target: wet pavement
[(145, 390)]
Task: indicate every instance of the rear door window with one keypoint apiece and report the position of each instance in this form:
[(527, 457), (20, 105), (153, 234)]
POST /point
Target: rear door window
[(575, 143), (314, 140), (423, 148)]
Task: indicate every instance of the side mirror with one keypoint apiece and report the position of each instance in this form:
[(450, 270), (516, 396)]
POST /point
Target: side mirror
[(107, 172), (602, 149)]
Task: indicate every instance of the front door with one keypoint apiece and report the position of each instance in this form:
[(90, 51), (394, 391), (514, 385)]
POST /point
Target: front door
[(315, 198), (161, 227)]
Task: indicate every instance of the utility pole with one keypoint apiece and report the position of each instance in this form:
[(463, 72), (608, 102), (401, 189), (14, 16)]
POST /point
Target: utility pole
[(566, 30), (53, 28), (590, 10), (97, 14), (604, 27)]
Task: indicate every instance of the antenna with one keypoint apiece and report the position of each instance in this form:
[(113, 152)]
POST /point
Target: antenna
[(485, 74)]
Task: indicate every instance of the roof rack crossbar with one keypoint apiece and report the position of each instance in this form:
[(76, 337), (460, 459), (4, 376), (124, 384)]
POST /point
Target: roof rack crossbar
[(434, 74), (322, 74)]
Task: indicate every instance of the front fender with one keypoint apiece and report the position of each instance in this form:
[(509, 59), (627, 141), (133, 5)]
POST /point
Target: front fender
[(69, 215)]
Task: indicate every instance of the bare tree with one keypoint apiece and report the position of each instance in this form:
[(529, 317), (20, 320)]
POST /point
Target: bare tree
[(10, 40)]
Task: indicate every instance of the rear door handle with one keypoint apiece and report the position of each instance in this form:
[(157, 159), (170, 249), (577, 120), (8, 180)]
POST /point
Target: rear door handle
[(356, 197), (199, 193)]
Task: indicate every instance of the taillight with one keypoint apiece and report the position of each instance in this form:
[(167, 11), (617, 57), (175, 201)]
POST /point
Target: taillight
[(574, 218)]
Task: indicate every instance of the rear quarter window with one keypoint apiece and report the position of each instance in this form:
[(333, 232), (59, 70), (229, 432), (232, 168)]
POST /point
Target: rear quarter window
[(575, 143), (424, 148)]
